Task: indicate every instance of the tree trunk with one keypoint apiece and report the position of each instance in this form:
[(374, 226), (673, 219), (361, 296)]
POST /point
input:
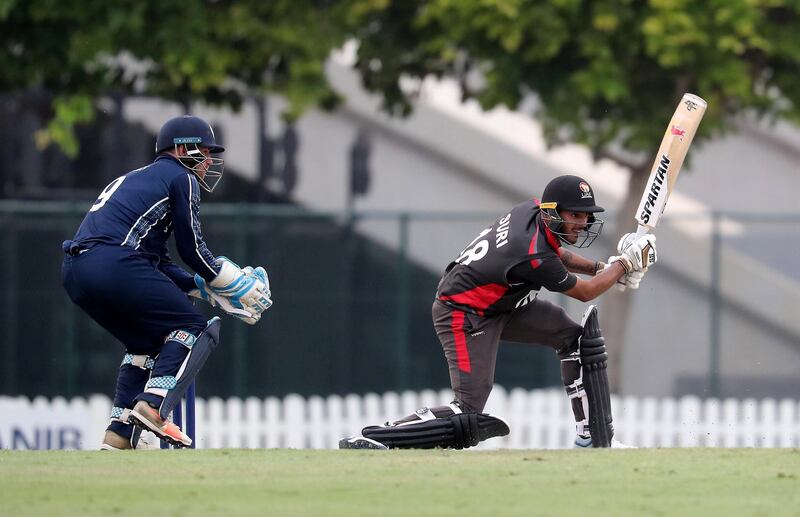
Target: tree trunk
[(617, 305)]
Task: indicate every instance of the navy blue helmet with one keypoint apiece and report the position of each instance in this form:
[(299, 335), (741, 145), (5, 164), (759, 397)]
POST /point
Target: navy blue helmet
[(194, 134), (187, 130)]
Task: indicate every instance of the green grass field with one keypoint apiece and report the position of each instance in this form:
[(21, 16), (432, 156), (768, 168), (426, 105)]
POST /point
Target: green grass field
[(706, 482)]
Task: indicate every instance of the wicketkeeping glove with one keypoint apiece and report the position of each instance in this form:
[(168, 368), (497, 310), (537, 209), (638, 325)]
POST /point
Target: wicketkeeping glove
[(201, 292), (223, 303), (243, 293)]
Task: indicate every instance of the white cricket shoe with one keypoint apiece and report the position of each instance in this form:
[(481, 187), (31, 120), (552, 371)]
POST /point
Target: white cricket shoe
[(585, 442)]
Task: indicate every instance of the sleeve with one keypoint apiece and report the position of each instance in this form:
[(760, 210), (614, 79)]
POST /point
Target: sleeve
[(549, 272), (184, 196), (174, 272)]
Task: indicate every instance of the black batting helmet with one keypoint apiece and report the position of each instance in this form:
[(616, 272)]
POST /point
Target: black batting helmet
[(570, 192)]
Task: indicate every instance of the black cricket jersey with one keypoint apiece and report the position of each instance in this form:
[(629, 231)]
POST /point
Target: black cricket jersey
[(141, 209), (505, 265)]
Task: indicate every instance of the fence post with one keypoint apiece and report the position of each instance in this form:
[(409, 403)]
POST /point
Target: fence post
[(403, 301), (69, 352), (715, 300), (11, 327), (239, 339)]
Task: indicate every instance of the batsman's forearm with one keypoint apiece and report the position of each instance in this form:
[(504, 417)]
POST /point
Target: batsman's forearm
[(606, 279), (576, 263), (588, 290)]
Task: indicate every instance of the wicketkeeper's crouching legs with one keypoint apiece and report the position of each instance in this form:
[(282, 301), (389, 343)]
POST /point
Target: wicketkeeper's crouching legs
[(447, 427), (170, 380), (133, 375), (585, 376)]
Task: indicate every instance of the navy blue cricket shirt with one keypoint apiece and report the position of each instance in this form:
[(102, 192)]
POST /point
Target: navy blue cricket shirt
[(143, 208)]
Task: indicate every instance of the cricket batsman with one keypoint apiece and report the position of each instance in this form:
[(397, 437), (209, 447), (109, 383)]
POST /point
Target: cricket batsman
[(118, 270), (489, 292)]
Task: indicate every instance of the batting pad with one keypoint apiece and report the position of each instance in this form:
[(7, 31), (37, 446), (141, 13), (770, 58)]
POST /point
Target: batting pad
[(457, 432), (205, 344), (595, 379)]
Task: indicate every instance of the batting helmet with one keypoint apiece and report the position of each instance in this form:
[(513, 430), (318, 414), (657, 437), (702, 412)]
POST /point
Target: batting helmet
[(572, 193), (193, 133), (187, 130)]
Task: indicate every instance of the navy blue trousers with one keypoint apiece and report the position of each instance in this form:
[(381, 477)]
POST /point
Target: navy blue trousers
[(124, 292)]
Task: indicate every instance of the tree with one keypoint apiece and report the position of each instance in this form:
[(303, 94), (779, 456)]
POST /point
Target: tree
[(607, 74), (218, 51)]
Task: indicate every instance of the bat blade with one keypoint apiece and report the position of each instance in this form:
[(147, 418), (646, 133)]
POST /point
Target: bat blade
[(674, 146)]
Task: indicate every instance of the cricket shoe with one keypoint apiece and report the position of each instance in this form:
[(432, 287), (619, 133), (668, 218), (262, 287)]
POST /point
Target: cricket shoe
[(145, 416), (114, 442), (359, 442), (585, 442)]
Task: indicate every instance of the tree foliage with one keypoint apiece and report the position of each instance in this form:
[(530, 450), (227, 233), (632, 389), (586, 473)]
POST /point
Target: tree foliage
[(606, 73), (217, 51)]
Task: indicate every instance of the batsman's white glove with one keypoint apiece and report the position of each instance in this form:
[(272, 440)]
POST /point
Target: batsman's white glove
[(621, 281), (625, 241), (629, 280), (639, 254)]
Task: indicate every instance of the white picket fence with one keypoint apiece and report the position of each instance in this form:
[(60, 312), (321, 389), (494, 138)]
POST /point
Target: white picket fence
[(539, 419)]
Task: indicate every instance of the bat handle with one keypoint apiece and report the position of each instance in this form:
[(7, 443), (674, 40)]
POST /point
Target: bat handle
[(642, 230)]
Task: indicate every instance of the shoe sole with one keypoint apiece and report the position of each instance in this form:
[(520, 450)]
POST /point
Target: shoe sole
[(145, 424), (361, 443)]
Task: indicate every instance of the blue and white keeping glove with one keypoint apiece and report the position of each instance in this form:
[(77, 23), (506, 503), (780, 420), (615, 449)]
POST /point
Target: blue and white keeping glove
[(243, 293), (246, 288), (201, 291), (204, 292)]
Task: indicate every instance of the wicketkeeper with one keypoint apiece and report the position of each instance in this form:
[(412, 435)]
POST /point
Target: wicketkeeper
[(489, 292), (118, 270)]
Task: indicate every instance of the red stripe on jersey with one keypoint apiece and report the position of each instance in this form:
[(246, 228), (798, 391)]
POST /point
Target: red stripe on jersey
[(552, 240), (532, 248), (478, 298), (462, 354)]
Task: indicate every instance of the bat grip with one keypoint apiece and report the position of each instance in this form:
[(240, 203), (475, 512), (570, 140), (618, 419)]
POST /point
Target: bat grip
[(641, 231)]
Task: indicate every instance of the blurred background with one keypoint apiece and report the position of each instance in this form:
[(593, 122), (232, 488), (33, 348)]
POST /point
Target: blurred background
[(367, 141)]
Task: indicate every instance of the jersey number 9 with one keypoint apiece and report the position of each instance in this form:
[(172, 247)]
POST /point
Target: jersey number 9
[(106, 194)]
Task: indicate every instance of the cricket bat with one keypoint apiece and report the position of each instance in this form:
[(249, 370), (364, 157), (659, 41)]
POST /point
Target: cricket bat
[(677, 139)]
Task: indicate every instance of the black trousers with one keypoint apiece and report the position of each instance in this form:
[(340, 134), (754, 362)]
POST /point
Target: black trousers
[(470, 342)]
